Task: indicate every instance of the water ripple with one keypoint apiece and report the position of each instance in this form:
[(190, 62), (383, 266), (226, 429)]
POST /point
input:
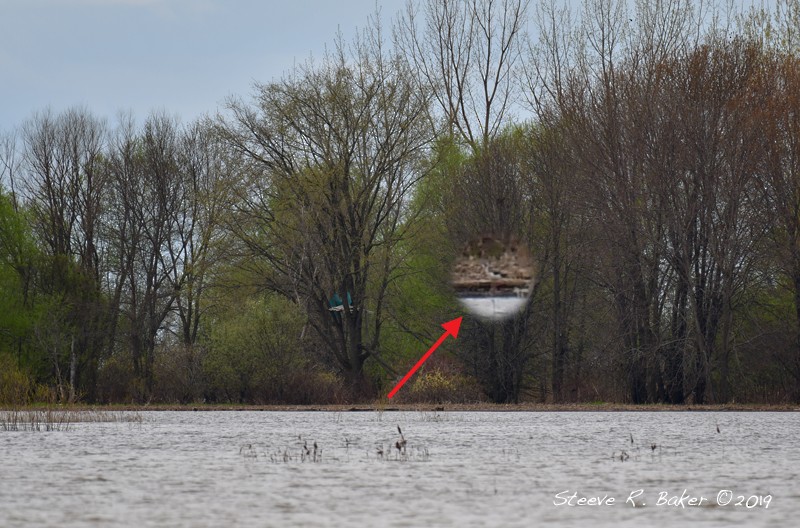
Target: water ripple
[(454, 469)]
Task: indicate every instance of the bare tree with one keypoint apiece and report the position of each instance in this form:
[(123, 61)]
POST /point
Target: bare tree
[(592, 78), (9, 164), (780, 128), (148, 189), (200, 241), (574, 83), (199, 246), (715, 229), (559, 227), (465, 54)]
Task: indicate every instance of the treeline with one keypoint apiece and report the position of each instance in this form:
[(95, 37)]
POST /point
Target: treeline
[(297, 248)]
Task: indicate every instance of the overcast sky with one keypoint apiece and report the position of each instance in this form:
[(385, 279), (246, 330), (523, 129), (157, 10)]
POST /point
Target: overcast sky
[(182, 56)]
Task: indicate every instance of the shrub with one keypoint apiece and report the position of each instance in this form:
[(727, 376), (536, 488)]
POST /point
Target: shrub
[(439, 386), (256, 354), (178, 374), (115, 379), (16, 387)]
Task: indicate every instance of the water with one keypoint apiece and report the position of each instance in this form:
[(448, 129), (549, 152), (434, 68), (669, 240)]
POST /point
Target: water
[(459, 469)]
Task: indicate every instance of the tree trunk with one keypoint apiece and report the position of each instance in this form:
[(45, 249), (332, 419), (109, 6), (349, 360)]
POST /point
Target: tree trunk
[(73, 366), (701, 372), (795, 368), (674, 370), (559, 346)]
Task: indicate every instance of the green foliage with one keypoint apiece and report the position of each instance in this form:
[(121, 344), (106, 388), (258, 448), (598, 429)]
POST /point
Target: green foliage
[(256, 355), (420, 296), (48, 304), (15, 252), (18, 256), (433, 195)]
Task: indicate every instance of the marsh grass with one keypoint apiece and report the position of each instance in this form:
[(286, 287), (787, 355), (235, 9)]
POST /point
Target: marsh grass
[(37, 420), (303, 449), (57, 419), (437, 415), (392, 453), (304, 453), (648, 451)]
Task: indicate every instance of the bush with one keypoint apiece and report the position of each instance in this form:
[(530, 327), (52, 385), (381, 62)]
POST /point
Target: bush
[(439, 386), (256, 355), (115, 379), (178, 374), (305, 387), (16, 387)]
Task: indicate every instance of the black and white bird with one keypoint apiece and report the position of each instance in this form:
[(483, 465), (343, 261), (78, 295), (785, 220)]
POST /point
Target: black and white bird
[(400, 444)]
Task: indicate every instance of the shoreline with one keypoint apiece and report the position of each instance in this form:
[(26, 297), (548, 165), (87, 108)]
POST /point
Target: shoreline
[(428, 407)]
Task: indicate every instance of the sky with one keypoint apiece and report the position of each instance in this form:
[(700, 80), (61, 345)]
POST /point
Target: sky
[(184, 57)]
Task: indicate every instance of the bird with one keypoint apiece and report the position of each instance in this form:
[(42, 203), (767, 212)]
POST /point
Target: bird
[(490, 272), (400, 444)]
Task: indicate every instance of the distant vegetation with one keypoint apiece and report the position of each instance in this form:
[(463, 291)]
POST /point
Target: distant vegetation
[(297, 248)]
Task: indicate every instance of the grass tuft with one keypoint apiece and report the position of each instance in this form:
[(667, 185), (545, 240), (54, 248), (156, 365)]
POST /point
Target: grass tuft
[(56, 419)]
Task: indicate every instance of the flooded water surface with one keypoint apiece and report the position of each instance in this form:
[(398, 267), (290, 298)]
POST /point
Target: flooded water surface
[(455, 469)]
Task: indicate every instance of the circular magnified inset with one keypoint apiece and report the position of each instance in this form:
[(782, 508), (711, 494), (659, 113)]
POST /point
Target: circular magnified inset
[(493, 277)]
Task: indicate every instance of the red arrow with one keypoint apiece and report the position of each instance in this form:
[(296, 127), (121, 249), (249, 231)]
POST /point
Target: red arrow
[(450, 328)]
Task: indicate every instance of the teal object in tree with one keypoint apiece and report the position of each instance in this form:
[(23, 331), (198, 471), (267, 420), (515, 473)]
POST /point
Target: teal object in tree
[(336, 305)]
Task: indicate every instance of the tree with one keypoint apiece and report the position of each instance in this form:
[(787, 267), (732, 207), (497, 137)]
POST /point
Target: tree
[(63, 185), (465, 54), (9, 164), (663, 146), (574, 86), (18, 256), (715, 234), (780, 139), (147, 194), (200, 240), (332, 153), (492, 197), (558, 227), (256, 352)]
